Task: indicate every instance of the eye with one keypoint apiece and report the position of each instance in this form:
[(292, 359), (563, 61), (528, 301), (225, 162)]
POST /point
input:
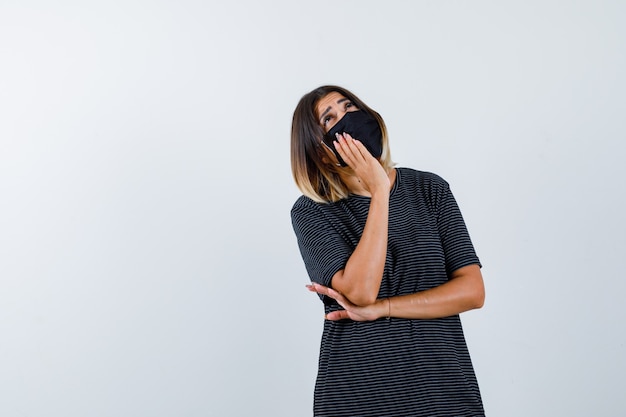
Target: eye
[(349, 105), (326, 120)]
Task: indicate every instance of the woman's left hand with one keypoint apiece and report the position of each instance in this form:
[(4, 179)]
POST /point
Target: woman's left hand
[(351, 311)]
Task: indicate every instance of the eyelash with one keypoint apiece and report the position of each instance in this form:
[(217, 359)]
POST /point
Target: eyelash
[(327, 118)]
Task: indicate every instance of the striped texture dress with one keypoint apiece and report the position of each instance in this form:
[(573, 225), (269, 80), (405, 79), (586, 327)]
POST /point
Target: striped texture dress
[(392, 367)]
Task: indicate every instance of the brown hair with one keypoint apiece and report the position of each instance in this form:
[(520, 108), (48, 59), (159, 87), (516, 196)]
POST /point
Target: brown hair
[(317, 179)]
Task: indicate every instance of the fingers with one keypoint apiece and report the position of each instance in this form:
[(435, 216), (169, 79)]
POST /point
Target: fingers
[(351, 150), (329, 292), (321, 289), (363, 151), (350, 311)]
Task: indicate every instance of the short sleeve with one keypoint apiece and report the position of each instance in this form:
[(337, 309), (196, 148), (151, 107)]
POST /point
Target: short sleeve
[(323, 250), (455, 239)]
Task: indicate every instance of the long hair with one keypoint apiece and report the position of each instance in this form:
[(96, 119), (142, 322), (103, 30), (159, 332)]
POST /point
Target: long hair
[(316, 178)]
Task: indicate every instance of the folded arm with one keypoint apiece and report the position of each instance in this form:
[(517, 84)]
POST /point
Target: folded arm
[(360, 280), (462, 292)]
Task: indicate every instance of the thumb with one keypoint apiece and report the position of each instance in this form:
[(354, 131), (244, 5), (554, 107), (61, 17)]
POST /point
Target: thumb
[(337, 315)]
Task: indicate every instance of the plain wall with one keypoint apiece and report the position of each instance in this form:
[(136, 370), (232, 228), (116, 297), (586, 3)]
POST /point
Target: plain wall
[(147, 261)]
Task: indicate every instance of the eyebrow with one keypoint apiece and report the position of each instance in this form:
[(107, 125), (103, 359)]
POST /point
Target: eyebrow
[(341, 100)]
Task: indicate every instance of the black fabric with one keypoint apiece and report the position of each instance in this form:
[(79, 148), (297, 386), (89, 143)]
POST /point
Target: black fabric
[(361, 126), (395, 367)]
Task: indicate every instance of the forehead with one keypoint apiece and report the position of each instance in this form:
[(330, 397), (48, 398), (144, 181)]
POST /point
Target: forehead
[(329, 100)]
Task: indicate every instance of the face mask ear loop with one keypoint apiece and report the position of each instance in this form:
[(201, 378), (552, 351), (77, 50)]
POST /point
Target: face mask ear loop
[(329, 148)]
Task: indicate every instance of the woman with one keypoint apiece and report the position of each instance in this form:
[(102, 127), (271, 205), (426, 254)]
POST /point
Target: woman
[(388, 252)]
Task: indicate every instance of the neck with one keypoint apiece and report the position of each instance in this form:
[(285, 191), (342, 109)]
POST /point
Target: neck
[(356, 186)]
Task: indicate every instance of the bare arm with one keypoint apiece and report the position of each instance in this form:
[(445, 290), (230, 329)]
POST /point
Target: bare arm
[(464, 291), (360, 280)]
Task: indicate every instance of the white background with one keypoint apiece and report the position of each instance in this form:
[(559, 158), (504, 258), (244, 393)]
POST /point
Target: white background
[(147, 261)]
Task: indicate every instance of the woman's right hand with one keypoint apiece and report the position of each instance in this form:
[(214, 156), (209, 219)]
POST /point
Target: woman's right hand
[(367, 169), (380, 308)]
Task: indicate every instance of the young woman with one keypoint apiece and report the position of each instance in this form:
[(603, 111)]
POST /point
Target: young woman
[(388, 253)]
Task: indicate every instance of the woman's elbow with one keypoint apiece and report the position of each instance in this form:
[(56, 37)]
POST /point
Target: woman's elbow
[(473, 286), (479, 299), (478, 295), (360, 296), (362, 299), (357, 293)]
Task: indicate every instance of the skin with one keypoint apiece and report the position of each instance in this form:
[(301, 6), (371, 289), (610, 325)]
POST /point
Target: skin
[(356, 286)]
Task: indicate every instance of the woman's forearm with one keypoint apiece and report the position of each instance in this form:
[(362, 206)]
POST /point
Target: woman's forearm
[(360, 280), (464, 291)]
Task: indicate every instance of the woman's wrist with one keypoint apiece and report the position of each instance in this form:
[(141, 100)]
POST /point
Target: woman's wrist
[(381, 195), (384, 308)]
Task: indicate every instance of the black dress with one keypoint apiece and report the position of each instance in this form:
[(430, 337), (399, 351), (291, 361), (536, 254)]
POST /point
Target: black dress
[(392, 367)]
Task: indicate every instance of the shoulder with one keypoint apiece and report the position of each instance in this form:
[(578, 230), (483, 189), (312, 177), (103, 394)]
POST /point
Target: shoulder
[(310, 218), (305, 209), (423, 180), (306, 212), (303, 204)]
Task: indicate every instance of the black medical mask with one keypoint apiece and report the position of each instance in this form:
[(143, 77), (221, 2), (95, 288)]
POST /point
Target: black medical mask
[(361, 126)]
